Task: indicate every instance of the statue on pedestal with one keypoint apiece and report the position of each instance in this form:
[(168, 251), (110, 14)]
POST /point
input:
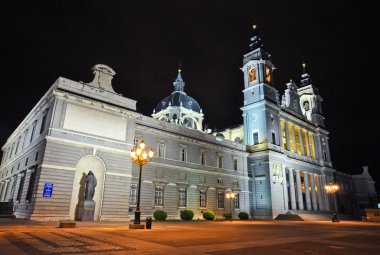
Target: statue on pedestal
[(87, 207), (90, 186)]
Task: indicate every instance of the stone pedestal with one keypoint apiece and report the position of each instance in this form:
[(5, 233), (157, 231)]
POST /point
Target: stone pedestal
[(136, 226), (87, 210)]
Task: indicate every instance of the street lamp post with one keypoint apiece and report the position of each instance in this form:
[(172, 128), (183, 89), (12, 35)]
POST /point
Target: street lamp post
[(230, 196), (331, 189), (140, 157)]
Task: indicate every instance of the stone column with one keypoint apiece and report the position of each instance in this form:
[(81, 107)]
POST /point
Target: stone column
[(307, 192), (299, 191), (326, 198), (294, 139), (319, 194), (1, 190), (307, 152), (301, 143), (287, 135), (285, 188), (313, 194), (293, 202)]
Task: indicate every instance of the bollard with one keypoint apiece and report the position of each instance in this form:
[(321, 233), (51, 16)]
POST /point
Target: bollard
[(148, 222)]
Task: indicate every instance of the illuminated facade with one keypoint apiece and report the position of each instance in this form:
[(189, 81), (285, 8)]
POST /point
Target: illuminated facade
[(277, 161)]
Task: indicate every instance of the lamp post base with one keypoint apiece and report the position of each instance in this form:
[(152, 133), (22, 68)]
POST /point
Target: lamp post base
[(334, 218), (137, 217)]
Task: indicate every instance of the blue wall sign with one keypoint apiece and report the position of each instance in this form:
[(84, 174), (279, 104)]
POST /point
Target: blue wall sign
[(48, 190)]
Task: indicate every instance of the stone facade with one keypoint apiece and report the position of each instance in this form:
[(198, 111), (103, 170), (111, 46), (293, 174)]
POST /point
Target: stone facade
[(277, 161)]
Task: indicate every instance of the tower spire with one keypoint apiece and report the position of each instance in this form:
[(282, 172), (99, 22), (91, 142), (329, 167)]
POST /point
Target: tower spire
[(256, 42), (179, 84), (305, 77)]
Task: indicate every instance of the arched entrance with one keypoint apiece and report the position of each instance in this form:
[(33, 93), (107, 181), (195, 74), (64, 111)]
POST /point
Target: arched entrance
[(84, 165)]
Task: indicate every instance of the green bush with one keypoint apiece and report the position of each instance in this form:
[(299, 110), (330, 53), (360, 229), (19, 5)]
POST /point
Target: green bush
[(160, 215), (243, 216), (227, 215), (209, 215), (187, 215)]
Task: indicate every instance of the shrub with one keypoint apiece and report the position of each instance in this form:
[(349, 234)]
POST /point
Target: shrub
[(227, 215), (243, 216), (160, 215), (209, 215), (187, 215)]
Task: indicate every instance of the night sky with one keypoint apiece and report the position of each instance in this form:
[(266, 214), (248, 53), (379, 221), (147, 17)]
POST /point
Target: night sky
[(144, 42)]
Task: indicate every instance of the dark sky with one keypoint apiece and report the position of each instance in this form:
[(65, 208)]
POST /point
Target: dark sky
[(144, 41)]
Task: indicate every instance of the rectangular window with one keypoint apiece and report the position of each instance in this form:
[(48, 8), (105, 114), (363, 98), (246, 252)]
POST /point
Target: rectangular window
[(183, 154), (26, 161), (256, 138), (291, 137), (203, 158), (21, 187), (220, 181), (273, 137), (161, 150), (33, 129), (36, 156), (159, 196), (235, 164), (43, 123), (31, 186), (11, 153), (25, 137), (298, 140), (18, 144), (182, 197), (283, 134), (13, 187), (220, 161), (135, 141), (220, 199), (133, 195), (324, 156), (237, 201), (202, 198)]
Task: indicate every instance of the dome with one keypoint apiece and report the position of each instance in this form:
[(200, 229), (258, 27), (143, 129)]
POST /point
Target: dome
[(178, 98)]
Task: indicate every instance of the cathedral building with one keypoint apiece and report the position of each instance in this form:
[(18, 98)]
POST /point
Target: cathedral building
[(277, 161)]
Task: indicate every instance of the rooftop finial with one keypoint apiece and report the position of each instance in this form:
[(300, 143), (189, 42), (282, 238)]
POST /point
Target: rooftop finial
[(303, 66), (179, 66), (305, 77), (179, 84), (255, 40)]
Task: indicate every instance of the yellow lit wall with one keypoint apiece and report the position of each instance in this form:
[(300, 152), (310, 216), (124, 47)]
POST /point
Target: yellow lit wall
[(305, 145), (291, 136), (311, 142), (283, 134), (298, 140)]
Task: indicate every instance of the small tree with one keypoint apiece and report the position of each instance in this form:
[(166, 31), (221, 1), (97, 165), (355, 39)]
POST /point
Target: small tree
[(227, 215), (243, 216), (187, 215), (160, 215), (209, 215)]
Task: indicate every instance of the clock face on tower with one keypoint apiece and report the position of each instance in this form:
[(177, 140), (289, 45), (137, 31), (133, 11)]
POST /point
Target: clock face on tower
[(268, 76)]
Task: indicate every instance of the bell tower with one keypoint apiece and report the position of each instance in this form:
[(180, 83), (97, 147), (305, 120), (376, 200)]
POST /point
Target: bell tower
[(258, 89), (310, 99)]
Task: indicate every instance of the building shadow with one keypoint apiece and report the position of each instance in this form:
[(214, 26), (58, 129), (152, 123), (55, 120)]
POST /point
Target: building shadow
[(82, 188)]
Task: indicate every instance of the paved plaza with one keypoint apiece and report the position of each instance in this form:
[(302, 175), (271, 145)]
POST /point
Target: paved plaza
[(198, 237)]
